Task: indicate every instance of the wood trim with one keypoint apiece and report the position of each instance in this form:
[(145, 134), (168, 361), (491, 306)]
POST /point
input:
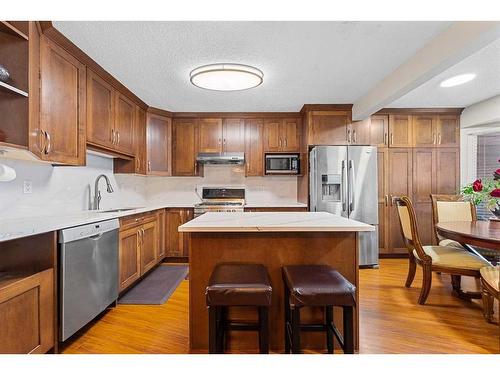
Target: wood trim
[(50, 31), (326, 107), (109, 151), (409, 111), (159, 112), (243, 115)]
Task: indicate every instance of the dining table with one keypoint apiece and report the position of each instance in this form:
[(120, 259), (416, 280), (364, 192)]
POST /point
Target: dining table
[(481, 233)]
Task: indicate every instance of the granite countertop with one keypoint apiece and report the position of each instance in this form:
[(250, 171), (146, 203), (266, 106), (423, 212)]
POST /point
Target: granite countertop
[(13, 228), (273, 222)]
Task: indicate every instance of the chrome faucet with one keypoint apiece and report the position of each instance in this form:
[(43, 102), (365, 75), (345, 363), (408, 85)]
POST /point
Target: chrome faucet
[(97, 192)]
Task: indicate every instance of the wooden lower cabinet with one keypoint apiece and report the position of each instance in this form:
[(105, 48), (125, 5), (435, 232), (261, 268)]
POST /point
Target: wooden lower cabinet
[(140, 237), (130, 257), (176, 245), (27, 312), (149, 245)]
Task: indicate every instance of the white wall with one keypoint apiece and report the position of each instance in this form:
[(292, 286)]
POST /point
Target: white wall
[(486, 113), (70, 189), (478, 118)]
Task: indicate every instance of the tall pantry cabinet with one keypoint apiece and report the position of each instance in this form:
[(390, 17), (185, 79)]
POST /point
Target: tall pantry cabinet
[(418, 155)]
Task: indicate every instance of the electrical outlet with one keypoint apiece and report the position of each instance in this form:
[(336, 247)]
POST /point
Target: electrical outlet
[(27, 187)]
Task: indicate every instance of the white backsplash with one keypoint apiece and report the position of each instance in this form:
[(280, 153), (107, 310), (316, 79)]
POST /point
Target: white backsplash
[(259, 190), (69, 189), (66, 189)]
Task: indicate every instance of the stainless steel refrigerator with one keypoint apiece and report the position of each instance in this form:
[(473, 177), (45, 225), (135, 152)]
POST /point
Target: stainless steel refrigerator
[(343, 181)]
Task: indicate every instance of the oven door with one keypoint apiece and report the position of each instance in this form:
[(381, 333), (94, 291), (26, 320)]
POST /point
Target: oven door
[(281, 164)]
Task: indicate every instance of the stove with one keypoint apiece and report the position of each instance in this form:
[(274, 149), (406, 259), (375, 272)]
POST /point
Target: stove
[(220, 200)]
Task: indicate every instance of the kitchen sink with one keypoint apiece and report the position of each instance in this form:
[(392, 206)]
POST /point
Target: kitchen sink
[(119, 210)]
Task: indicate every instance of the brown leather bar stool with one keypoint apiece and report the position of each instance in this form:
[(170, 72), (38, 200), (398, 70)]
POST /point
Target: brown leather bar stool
[(318, 285), (235, 284)]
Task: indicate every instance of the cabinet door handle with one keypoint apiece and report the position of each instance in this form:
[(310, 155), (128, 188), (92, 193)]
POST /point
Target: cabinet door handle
[(433, 138), (386, 138), (348, 136), (117, 138), (48, 147), (386, 199), (149, 166), (439, 138), (279, 142), (354, 136), (286, 143), (195, 168), (112, 137), (392, 138)]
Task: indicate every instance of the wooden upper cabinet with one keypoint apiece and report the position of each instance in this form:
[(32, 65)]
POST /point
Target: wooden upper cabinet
[(379, 130), (448, 131), (62, 106), (124, 124), (271, 136), (358, 132), (290, 135), (281, 135), (329, 128), (140, 141), (400, 131), (210, 135), (185, 149), (233, 135), (253, 147), (424, 130), (159, 145), (100, 111)]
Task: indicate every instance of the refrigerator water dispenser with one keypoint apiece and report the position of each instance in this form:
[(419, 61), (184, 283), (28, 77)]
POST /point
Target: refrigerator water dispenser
[(331, 187)]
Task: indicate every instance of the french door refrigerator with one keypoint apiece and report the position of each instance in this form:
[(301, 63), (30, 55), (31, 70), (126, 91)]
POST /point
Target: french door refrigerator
[(343, 181)]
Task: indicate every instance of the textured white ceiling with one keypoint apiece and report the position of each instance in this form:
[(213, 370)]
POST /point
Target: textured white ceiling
[(485, 63), (303, 62)]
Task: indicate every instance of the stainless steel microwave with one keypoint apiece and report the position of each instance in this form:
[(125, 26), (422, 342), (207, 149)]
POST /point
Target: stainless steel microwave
[(282, 163)]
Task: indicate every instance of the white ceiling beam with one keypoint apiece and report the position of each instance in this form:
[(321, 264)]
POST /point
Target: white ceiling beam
[(454, 44)]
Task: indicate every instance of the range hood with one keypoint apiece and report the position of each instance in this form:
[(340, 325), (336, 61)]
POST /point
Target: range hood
[(221, 158)]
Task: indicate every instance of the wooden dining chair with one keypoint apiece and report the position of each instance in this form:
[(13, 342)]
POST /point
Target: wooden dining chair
[(490, 280), (446, 208), (443, 259)]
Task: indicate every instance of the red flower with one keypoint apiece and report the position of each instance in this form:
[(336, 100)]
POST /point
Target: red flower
[(495, 193), (477, 185)]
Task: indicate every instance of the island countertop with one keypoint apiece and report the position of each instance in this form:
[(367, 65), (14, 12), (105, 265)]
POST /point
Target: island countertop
[(273, 222)]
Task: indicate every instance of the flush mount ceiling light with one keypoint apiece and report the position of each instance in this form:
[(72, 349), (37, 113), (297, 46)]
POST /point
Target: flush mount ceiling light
[(226, 77), (458, 80)]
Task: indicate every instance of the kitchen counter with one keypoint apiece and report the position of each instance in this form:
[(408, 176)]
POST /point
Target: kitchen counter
[(14, 228), (273, 222), (272, 239)]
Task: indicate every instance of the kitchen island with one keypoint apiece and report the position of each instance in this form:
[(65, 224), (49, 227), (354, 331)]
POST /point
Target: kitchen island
[(272, 239)]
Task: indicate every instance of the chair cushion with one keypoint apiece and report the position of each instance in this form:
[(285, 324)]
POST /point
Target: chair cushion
[(451, 243), (318, 285), (235, 284), (491, 275), (453, 257)]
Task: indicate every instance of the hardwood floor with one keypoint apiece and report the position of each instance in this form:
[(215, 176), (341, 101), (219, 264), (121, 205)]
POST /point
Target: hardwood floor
[(391, 320)]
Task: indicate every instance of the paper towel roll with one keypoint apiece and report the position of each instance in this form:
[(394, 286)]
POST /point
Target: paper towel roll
[(6, 173)]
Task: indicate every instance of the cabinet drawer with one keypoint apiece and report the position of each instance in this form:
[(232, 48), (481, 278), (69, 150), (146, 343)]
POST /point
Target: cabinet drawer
[(138, 219), (27, 304)]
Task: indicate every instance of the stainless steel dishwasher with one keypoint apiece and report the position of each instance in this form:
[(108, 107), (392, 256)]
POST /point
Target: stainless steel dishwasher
[(89, 273)]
